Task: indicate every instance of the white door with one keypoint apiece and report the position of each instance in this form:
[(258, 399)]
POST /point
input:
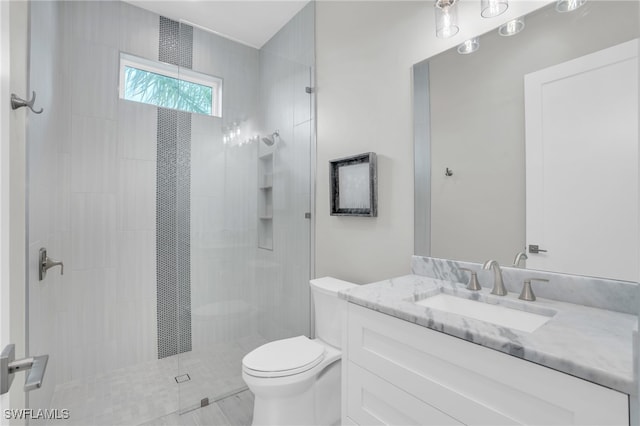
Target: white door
[(582, 164)]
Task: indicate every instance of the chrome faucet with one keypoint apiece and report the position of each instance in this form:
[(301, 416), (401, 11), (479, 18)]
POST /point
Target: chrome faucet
[(498, 284), (520, 256)]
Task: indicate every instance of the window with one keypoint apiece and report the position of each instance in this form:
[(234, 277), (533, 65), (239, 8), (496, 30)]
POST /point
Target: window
[(169, 86)]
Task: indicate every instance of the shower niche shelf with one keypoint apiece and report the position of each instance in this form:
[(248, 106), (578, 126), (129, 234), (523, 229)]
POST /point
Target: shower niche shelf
[(265, 201)]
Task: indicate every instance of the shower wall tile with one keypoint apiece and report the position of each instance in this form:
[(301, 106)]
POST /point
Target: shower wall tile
[(139, 31), (95, 73), (295, 42), (63, 335), (136, 209), (238, 66), (301, 99), (304, 37), (88, 320), (207, 217), (97, 22), (63, 194), (136, 265), (93, 157), (207, 157), (137, 130), (301, 161), (93, 237), (41, 201)]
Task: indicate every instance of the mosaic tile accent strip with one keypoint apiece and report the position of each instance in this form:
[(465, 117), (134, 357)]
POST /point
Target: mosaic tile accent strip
[(176, 43), (166, 247), (169, 39), (173, 210), (183, 229), (185, 52)]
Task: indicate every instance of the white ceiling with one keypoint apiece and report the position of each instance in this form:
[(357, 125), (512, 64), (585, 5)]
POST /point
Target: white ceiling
[(251, 22)]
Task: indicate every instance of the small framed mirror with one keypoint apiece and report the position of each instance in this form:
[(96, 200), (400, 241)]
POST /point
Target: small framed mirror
[(354, 185)]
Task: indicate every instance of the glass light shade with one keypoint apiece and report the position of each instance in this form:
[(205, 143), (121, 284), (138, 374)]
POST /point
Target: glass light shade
[(469, 46), (446, 19), (569, 5), (491, 8), (512, 27)]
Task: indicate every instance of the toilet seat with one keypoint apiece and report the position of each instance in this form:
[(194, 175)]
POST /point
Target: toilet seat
[(284, 357)]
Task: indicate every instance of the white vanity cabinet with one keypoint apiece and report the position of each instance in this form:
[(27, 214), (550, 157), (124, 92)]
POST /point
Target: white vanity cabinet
[(399, 373)]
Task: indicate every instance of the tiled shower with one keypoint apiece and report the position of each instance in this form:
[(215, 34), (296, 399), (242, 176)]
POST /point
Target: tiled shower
[(155, 217)]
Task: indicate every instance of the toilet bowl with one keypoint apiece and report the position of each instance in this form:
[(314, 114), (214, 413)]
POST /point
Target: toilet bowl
[(296, 381)]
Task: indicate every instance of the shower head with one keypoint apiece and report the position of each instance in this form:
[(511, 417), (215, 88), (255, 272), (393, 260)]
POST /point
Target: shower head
[(270, 140)]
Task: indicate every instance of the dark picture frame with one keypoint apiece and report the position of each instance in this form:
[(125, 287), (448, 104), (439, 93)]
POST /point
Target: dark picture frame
[(354, 185)]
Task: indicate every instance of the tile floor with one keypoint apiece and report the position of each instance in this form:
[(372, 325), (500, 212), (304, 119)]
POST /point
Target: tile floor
[(148, 392)]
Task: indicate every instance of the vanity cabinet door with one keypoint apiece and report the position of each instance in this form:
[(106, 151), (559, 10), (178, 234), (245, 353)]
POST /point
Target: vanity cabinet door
[(418, 371), (374, 401)]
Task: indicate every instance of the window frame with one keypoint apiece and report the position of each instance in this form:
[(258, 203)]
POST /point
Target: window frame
[(172, 71)]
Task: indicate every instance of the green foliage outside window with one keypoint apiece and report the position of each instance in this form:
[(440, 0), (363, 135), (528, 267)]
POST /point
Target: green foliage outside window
[(167, 92)]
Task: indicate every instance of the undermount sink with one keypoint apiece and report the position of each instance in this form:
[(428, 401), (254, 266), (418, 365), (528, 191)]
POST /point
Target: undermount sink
[(491, 313)]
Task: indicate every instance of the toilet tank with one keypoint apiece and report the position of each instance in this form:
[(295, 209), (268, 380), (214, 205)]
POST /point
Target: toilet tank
[(329, 308)]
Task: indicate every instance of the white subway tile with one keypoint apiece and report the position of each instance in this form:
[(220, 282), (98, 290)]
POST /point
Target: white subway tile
[(93, 156)]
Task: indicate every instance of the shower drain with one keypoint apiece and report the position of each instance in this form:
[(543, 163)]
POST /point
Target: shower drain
[(182, 378)]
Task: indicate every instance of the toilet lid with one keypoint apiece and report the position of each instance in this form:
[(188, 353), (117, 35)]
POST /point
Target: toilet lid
[(283, 357)]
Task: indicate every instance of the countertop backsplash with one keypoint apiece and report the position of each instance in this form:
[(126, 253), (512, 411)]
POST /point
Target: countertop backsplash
[(602, 293)]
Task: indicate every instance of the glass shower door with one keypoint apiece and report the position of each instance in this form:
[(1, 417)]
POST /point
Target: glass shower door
[(92, 204), (249, 202)]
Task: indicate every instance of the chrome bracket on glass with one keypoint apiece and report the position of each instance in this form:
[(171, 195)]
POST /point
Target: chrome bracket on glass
[(45, 263), (36, 365)]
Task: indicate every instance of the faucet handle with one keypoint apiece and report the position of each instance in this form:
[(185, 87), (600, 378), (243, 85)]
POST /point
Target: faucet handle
[(473, 285), (527, 291)]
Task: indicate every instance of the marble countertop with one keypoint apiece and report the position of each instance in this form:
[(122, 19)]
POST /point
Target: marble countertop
[(589, 343)]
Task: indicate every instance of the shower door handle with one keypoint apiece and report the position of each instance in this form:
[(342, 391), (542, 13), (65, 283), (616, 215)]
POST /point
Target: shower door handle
[(45, 263)]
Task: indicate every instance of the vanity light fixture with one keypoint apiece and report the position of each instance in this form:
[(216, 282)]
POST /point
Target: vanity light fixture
[(469, 46), (493, 8), (569, 5), (512, 27), (446, 18)]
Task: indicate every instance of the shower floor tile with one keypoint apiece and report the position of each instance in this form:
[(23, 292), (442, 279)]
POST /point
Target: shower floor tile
[(235, 410), (148, 392)]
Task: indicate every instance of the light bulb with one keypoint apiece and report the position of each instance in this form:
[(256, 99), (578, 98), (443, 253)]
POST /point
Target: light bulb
[(512, 27), (469, 46), (492, 8), (569, 5), (446, 18)]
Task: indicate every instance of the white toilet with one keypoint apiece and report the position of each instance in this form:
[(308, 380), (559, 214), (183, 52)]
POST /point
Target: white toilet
[(296, 381)]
